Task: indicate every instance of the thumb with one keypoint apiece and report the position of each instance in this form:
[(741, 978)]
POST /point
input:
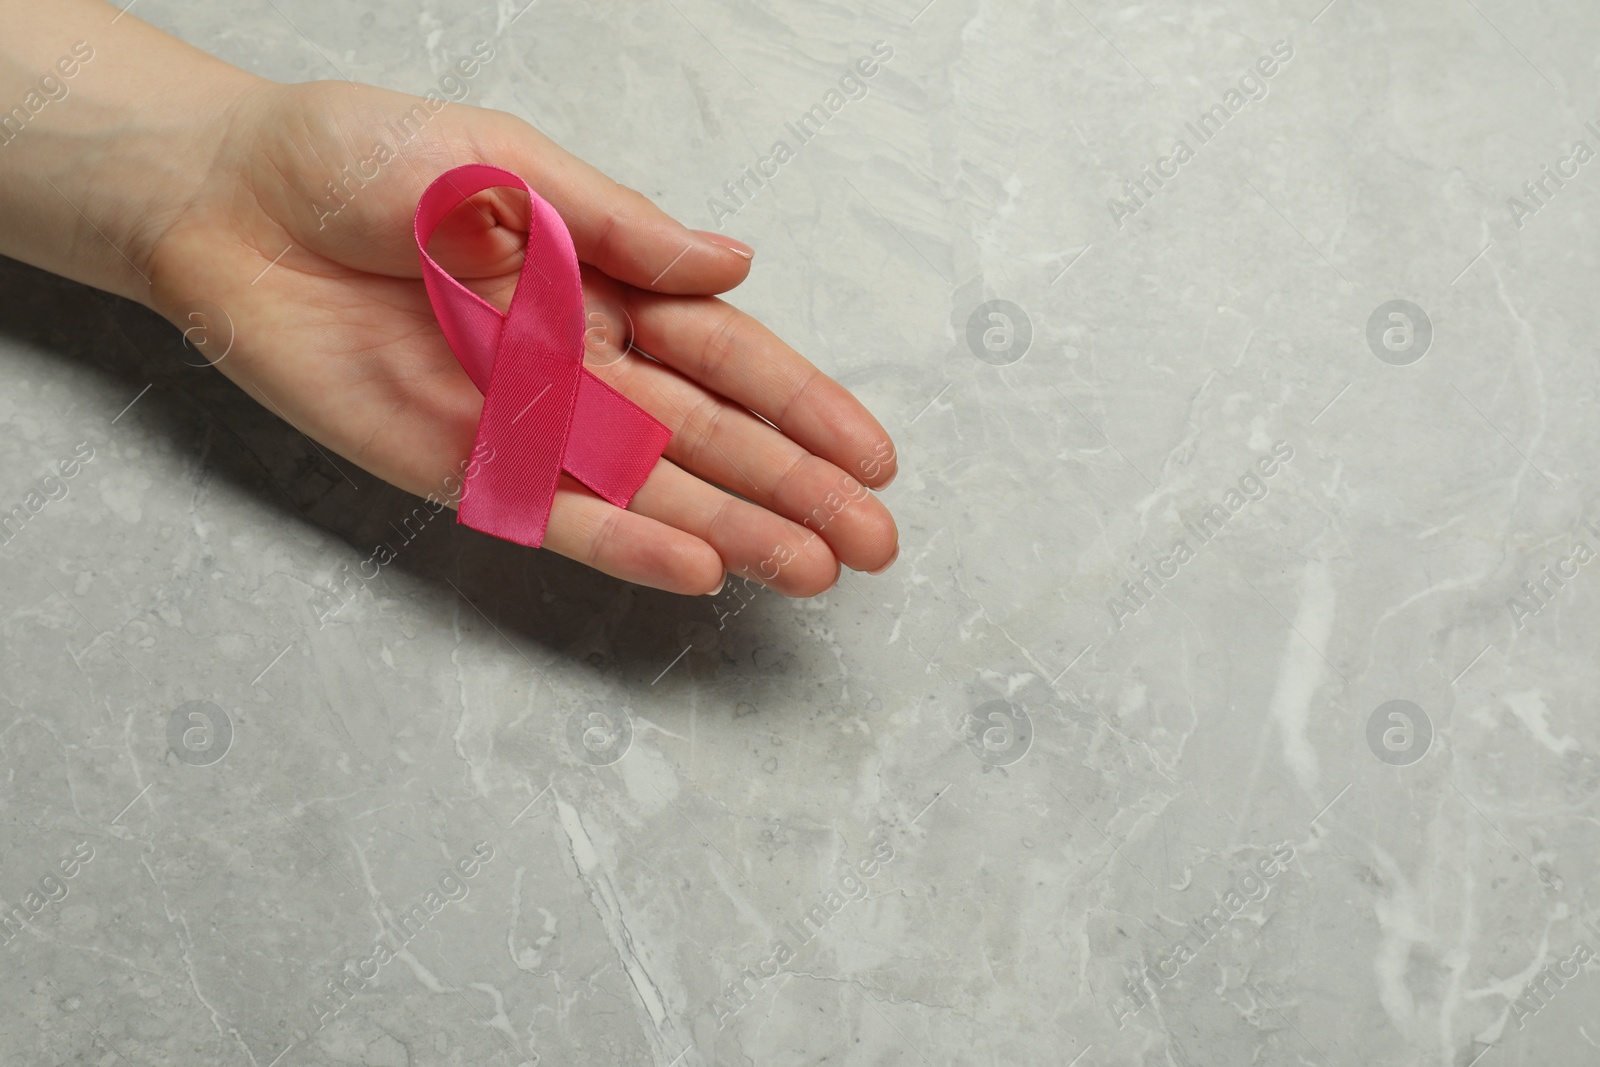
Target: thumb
[(616, 228)]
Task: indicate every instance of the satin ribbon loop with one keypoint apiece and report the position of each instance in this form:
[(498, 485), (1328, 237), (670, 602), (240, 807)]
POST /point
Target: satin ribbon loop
[(543, 410)]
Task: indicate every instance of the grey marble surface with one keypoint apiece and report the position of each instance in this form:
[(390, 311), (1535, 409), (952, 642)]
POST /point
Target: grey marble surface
[(1104, 771)]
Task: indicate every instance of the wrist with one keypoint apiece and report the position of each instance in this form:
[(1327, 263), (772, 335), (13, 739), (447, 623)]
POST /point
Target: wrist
[(97, 163)]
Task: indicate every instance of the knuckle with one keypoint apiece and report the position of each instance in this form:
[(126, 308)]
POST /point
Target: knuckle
[(722, 342)]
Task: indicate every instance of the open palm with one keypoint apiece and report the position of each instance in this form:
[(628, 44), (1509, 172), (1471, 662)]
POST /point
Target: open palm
[(333, 331)]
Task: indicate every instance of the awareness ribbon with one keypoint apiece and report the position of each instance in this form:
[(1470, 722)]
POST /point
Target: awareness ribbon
[(543, 411)]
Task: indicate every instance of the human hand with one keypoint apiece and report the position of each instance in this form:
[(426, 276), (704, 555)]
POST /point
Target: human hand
[(316, 267)]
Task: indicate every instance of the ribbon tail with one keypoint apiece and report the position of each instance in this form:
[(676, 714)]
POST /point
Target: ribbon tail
[(613, 444)]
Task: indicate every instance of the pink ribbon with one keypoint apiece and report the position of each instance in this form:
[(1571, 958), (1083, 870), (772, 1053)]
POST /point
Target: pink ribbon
[(543, 411)]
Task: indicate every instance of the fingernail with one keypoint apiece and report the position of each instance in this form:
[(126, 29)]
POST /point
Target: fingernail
[(720, 585), (738, 248), (886, 566)]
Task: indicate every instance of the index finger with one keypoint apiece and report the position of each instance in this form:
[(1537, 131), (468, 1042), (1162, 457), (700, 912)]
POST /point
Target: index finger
[(734, 355)]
